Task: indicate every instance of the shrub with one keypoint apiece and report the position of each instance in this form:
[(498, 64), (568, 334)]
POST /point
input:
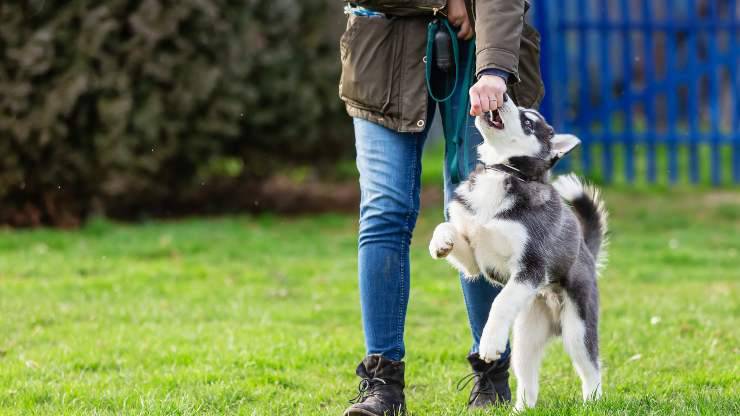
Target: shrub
[(124, 107)]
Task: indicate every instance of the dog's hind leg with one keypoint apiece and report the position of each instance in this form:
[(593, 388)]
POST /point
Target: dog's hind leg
[(532, 329), (580, 338)]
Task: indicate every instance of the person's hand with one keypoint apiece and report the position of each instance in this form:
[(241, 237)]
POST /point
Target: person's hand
[(457, 14), (487, 94)]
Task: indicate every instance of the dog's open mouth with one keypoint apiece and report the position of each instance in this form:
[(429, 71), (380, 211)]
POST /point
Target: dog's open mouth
[(493, 118)]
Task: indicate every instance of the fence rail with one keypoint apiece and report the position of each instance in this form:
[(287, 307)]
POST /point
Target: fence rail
[(651, 87)]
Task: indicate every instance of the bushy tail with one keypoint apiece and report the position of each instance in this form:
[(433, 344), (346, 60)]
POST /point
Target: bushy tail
[(589, 207)]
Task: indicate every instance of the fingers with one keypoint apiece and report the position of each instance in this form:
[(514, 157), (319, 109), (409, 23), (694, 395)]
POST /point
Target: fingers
[(457, 19), (487, 94), (486, 103), (499, 99), (466, 31), (480, 101), (475, 104)]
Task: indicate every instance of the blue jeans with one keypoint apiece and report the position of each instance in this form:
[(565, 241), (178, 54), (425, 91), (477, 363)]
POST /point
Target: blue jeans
[(390, 182)]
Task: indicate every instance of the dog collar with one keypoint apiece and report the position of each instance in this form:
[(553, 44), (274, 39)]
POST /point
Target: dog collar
[(509, 170), (524, 168)]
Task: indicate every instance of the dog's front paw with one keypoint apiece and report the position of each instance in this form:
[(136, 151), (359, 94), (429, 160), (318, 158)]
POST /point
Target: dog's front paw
[(442, 241), (488, 353), (492, 347)]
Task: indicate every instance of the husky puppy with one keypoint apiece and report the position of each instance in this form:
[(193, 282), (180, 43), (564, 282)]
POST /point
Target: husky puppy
[(543, 242)]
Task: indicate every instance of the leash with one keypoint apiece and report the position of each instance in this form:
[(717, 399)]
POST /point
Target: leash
[(454, 126)]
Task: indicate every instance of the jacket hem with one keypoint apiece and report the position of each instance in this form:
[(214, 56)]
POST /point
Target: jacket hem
[(382, 120)]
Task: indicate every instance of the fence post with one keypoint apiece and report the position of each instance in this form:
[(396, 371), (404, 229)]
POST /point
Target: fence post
[(651, 136), (672, 93), (734, 61), (714, 97), (584, 88), (628, 133), (605, 87)]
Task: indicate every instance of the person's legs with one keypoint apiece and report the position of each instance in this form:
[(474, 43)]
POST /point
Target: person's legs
[(389, 164), (479, 293)]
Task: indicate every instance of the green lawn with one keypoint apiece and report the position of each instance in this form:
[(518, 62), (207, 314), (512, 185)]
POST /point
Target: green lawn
[(260, 316)]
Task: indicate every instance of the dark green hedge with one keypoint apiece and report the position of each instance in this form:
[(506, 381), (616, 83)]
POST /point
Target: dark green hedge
[(124, 107)]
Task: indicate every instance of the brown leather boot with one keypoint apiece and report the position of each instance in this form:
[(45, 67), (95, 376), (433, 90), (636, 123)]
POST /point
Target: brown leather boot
[(491, 385), (380, 392)]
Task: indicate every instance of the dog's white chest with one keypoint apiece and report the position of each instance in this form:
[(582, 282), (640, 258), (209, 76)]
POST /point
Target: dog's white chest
[(496, 244), (486, 195), (498, 247)]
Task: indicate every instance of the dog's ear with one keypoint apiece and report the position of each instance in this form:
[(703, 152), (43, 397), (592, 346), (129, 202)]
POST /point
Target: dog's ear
[(562, 144)]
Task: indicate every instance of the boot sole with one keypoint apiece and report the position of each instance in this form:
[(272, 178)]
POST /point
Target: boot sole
[(362, 412), (359, 412)]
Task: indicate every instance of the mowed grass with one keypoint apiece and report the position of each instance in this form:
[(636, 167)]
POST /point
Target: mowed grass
[(260, 316)]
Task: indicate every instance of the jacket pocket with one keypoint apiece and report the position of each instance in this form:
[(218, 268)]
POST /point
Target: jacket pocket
[(368, 48), (530, 90)]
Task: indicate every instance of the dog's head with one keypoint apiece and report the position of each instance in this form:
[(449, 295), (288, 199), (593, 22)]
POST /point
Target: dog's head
[(516, 132)]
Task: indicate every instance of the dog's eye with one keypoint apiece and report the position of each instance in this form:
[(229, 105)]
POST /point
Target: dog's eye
[(528, 124)]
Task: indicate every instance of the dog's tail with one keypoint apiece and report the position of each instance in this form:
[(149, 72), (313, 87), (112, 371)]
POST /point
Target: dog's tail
[(589, 207)]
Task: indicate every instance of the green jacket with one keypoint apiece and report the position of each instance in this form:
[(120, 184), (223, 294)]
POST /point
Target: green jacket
[(383, 59)]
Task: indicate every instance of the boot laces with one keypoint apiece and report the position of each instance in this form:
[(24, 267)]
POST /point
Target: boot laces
[(366, 388), (483, 383)]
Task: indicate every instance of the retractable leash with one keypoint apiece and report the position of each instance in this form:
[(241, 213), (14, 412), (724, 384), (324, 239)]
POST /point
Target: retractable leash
[(440, 39)]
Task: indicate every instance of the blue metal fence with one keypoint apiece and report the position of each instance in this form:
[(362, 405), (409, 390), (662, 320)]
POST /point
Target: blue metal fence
[(650, 86)]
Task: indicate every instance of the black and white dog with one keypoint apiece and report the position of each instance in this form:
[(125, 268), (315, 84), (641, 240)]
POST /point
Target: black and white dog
[(542, 241)]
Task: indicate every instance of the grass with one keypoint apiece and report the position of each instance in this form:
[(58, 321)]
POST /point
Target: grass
[(260, 316)]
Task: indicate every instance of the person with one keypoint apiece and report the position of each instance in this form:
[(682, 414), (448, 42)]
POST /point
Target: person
[(384, 88)]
